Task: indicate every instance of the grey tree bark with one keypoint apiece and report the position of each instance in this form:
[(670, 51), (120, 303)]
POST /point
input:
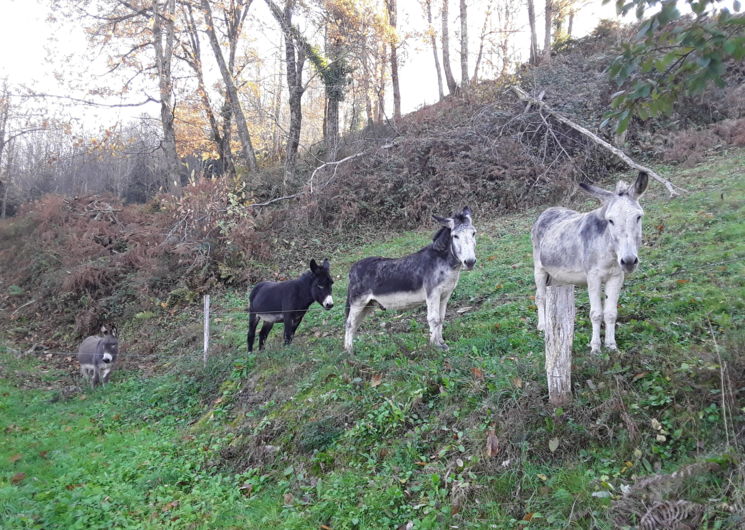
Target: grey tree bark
[(164, 30), (463, 44), (559, 337), (549, 16), (533, 33), (433, 42), (392, 16), (452, 85), (247, 150)]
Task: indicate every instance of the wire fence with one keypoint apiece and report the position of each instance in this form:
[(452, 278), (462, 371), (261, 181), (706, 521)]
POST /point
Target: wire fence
[(209, 314)]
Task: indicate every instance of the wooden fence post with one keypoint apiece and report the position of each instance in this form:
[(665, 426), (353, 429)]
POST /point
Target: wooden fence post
[(206, 327), (559, 332)]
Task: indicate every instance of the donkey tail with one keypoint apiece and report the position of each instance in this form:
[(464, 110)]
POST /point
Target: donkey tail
[(349, 303)]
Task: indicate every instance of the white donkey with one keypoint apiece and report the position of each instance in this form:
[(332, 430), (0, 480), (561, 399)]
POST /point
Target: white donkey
[(592, 249)]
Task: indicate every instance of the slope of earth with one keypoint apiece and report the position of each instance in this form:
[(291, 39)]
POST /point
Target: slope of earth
[(308, 436)]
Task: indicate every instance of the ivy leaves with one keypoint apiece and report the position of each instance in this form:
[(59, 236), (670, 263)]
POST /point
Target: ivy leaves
[(672, 55)]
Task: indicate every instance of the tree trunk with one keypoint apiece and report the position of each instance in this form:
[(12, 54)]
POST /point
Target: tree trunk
[(463, 44), (547, 37), (533, 33), (163, 36), (433, 42), (366, 88), (482, 39), (559, 337), (392, 16), (380, 112), (570, 25), (193, 57), (277, 108), (452, 85), (247, 150)]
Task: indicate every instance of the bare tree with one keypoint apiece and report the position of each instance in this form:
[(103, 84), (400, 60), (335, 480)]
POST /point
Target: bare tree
[(433, 42), (392, 16), (533, 33), (463, 43), (452, 85), (234, 17), (191, 54), (482, 40)]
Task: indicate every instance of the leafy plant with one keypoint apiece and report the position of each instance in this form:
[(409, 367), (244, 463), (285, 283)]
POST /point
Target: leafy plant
[(673, 55)]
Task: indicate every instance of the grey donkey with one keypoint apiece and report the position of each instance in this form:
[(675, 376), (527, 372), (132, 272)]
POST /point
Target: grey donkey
[(97, 356)]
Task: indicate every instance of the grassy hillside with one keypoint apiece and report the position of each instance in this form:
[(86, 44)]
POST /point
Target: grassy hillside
[(309, 437)]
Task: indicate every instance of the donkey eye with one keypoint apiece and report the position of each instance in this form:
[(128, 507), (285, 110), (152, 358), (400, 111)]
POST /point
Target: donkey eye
[(638, 218), (611, 221), (455, 237)]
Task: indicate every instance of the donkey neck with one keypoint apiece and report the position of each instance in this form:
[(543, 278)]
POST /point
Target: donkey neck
[(303, 286)]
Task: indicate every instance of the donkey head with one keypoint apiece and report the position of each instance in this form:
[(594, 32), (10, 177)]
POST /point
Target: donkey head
[(109, 344), (322, 282), (623, 214), (459, 234)]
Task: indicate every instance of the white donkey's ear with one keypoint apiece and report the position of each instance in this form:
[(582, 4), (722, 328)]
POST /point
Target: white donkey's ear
[(639, 186), (104, 329), (467, 211), (598, 193), (444, 221)]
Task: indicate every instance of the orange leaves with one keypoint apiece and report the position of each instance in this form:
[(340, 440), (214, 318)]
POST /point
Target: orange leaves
[(17, 478), (375, 380)]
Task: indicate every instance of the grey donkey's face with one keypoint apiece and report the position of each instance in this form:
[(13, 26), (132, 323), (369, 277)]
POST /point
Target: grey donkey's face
[(109, 345), (463, 237), (623, 214)]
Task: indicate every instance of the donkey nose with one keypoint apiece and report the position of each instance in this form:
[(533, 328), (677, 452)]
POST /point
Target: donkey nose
[(629, 262), (470, 263)]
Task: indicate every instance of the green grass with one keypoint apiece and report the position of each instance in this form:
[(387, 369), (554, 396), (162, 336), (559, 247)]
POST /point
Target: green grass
[(305, 436)]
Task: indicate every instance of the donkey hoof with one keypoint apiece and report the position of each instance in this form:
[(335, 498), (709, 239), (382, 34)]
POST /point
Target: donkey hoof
[(595, 349), (441, 346), (611, 347)]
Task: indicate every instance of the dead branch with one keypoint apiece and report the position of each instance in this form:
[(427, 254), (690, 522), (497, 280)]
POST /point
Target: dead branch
[(310, 181), (524, 96)]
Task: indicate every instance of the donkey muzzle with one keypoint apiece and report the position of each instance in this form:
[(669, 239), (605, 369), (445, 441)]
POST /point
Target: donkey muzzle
[(629, 263), (107, 358), (469, 263), (328, 302)]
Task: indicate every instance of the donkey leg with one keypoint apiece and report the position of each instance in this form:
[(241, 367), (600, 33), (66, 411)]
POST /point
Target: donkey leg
[(291, 321), (265, 329), (541, 277), (253, 321), (434, 321), (596, 310), (356, 313), (444, 298), (610, 311)]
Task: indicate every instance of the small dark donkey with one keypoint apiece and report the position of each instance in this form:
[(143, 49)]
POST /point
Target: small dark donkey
[(288, 302), (97, 356)]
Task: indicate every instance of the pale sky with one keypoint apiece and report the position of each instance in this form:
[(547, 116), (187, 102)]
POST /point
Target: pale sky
[(33, 49)]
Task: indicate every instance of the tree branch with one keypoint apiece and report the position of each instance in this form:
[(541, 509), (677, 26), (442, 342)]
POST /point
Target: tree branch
[(672, 189)]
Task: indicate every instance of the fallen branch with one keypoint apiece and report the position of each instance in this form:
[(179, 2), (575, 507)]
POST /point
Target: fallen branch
[(310, 180), (524, 96)]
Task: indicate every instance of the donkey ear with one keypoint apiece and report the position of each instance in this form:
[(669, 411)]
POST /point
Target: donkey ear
[(441, 240), (444, 221), (467, 211), (598, 193), (640, 185), (114, 332), (104, 329), (314, 266), (326, 264)]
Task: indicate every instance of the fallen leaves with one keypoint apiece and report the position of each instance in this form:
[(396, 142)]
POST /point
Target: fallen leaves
[(18, 477), (553, 444), (15, 458), (375, 380)]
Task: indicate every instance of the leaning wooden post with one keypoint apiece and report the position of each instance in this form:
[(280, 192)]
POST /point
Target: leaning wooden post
[(206, 327), (559, 332)]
